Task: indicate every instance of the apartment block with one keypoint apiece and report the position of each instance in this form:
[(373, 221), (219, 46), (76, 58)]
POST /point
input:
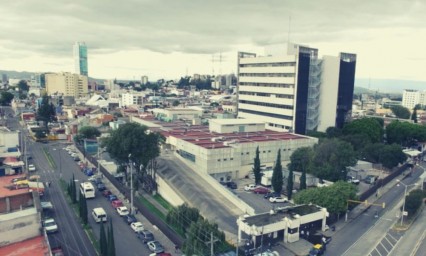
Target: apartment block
[(66, 84)]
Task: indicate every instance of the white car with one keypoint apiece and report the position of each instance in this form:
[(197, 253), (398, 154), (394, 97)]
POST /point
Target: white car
[(122, 211), (50, 226), (249, 187), (31, 168), (137, 226), (278, 199)]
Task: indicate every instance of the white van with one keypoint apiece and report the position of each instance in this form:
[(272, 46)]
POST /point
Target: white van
[(99, 214)]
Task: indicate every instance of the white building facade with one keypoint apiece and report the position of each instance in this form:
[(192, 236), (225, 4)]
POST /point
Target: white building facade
[(286, 90), (129, 99), (410, 98)]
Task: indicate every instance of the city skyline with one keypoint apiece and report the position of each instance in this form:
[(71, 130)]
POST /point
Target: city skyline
[(173, 38)]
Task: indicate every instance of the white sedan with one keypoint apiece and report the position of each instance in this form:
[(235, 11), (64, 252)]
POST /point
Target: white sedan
[(31, 168), (122, 211), (137, 226), (250, 187), (278, 199)]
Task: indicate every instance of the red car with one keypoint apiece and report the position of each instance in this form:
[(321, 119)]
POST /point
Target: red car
[(116, 203), (106, 193), (261, 190)]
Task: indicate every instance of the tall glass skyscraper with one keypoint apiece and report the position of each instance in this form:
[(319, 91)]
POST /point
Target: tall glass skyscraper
[(80, 58)]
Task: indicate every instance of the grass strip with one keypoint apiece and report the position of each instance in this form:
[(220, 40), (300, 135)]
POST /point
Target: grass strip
[(152, 208), (49, 158), (163, 202), (87, 229), (160, 214)]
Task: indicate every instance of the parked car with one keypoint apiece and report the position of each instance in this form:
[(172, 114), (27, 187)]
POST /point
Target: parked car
[(370, 179), (146, 236), (31, 168), (122, 210), (271, 194), (278, 199), (261, 190), (250, 187), (155, 246), (112, 197), (352, 180), (137, 226), (106, 193), (50, 225), (101, 187), (116, 203), (76, 158), (129, 219), (231, 185)]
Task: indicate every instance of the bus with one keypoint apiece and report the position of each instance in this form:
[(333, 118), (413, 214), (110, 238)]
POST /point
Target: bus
[(87, 190)]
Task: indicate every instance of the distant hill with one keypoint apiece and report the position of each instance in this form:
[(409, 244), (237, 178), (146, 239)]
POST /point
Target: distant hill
[(27, 75), (389, 85)]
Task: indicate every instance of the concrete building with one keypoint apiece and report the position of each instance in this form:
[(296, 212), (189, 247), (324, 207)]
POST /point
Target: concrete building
[(35, 80), (19, 218), (282, 224), (227, 148), (66, 84), (297, 91), (80, 58), (132, 98), (410, 98), (172, 114)]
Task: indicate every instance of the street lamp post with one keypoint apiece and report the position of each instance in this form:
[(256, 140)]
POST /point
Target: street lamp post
[(131, 184), (405, 195)]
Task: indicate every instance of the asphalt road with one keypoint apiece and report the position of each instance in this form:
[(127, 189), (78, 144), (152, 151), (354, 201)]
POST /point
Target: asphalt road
[(366, 231), (71, 236)]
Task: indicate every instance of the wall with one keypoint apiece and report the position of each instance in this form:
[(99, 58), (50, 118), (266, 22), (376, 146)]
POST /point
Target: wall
[(223, 191), (19, 226), (168, 193)]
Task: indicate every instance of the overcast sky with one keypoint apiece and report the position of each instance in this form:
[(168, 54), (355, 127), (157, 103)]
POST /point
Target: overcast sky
[(171, 38)]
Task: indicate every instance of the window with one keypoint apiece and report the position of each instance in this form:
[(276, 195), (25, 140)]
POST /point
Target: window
[(231, 158)]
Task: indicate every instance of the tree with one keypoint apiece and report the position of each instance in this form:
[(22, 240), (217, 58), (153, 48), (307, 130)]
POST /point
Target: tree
[(277, 175), (111, 242), (103, 244), (198, 238), (370, 127), (134, 140), (182, 217), (331, 157), (413, 201), (6, 98), (88, 132), (84, 212), (301, 161), (175, 103), (392, 155), (333, 197), (73, 191), (414, 116), (23, 86), (333, 132), (256, 167), (46, 112), (405, 133), (401, 112), (358, 141)]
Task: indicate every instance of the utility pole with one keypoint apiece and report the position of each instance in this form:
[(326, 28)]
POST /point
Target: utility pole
[(212, 241)]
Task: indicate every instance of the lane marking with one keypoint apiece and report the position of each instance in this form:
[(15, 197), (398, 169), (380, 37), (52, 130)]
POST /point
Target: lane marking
[(396, 240), (419, 242)]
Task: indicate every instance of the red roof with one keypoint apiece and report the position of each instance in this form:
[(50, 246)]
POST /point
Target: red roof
[(36, 246)]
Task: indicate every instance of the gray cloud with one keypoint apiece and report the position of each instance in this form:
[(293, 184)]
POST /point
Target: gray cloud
[(51, 26)]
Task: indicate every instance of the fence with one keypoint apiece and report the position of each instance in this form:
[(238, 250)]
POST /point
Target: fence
[(154, 219)]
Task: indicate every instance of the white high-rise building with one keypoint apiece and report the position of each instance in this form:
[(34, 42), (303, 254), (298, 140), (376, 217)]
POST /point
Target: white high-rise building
[(129, 99), (410, 98), (296, 91), (66, 84), (144, 80)]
